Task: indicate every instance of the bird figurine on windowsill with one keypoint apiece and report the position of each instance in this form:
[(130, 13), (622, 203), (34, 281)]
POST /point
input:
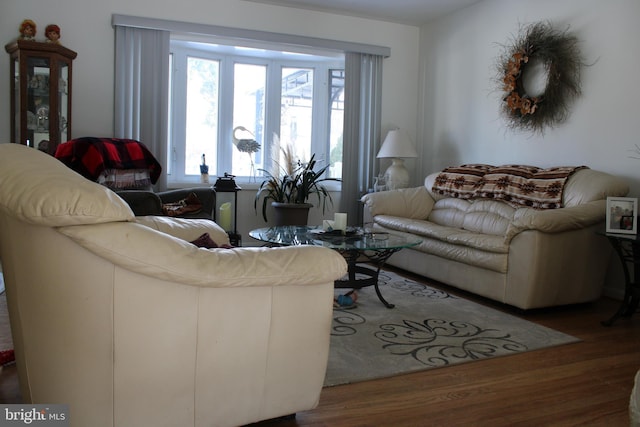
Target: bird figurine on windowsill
[(246, 145)]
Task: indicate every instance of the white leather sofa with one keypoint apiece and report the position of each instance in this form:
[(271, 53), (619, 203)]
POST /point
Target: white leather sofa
[(131, 325), (520, 256)]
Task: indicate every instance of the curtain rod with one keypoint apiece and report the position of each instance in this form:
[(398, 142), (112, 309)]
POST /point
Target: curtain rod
[(239, 33)]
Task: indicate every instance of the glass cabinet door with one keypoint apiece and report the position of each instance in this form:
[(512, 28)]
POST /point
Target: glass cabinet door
[(38, 100), (63, 103), (41, 94), (16, 91)]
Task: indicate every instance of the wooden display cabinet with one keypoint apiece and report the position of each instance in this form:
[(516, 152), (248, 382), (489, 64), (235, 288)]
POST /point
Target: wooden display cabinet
[(40, 93)]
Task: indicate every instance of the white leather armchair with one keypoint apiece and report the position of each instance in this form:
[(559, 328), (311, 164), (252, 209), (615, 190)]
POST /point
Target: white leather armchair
[(131, 325)]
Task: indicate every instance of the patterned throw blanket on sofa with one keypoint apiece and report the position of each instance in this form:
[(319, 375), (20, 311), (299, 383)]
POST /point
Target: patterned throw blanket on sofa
[(517, 185), (91, 156)]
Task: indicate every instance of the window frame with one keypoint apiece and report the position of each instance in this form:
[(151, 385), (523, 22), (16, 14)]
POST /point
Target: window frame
[(227, 55)]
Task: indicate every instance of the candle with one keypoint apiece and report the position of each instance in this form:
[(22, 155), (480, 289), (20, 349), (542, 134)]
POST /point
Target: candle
[(225, 216), (340, 221)]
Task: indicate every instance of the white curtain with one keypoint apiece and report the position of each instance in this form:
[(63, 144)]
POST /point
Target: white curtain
[(142, 90), (361, 141)]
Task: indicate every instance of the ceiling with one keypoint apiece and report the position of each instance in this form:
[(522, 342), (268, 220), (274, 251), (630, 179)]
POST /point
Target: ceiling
[(408, 12)]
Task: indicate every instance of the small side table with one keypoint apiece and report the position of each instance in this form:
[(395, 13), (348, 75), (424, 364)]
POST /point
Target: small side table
[(627, 246)]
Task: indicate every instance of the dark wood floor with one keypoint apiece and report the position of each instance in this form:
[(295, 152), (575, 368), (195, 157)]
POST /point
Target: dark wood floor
[(586, 383)]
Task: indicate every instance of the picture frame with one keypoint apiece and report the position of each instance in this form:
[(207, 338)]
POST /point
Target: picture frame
[(622, 215)]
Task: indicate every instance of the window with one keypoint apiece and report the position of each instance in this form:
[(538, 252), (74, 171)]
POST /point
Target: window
[(218, 88)]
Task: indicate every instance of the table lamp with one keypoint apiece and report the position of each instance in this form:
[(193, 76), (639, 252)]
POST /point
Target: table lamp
[(397, 146)]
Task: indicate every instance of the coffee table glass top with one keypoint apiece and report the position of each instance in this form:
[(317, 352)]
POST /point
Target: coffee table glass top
[(355, 238)]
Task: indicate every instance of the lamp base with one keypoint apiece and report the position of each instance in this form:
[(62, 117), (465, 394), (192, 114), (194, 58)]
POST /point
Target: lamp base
[(397, 175)]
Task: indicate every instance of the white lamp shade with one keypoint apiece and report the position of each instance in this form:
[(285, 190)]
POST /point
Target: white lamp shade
[(397, 144)]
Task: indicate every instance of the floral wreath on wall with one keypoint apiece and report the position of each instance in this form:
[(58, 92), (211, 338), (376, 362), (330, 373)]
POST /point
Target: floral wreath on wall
[(558, 53)]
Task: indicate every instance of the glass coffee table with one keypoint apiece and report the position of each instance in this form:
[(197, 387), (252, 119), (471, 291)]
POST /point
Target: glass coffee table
[(356, 245)]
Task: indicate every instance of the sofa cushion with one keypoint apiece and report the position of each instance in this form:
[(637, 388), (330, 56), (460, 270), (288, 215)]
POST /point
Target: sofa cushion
[(456, 236), (480, 250), (470, 255), (449, 212), (488, 217), (37, 188), (185, 229)]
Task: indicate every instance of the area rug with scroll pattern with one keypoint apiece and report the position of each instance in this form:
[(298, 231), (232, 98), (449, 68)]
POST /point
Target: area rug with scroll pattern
[(428, 328)]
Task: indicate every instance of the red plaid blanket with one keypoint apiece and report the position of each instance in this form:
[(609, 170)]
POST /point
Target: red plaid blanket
[(91, 156)]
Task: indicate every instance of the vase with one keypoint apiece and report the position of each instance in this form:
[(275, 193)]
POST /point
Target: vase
[(291, 213)]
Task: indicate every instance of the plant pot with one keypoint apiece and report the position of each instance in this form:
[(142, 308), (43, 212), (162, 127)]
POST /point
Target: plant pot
[(291, 213)]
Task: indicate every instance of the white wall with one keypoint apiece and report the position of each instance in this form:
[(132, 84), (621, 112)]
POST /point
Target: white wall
[(461, 104), (86, 28)]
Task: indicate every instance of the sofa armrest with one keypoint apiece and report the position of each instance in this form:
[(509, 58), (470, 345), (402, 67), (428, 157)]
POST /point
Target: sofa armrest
[(558, 220), (415, 203), (143, 250)]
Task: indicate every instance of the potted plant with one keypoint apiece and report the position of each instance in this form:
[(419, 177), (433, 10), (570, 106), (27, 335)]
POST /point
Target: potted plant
[(290, 190)]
